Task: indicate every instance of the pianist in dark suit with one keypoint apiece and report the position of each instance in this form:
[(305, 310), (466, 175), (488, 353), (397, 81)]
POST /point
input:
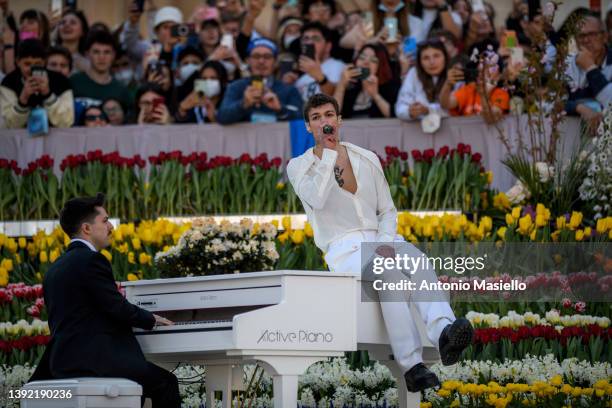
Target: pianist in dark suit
[(90, 321)]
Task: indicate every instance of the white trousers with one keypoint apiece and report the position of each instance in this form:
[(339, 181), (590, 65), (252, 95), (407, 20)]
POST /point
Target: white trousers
[(345, 256)]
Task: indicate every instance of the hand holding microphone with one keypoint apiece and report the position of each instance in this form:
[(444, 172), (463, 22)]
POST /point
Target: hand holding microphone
[(328, 138)]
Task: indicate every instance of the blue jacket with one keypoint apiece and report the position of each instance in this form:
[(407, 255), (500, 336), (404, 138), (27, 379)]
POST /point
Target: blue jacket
[(232, 111)]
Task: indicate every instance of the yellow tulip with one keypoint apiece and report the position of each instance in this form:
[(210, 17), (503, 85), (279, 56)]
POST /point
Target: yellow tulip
[(575, 220), (516, 213), (131, 277), (540, 221), (131, 258), (286, 222), (275, 223), (7, 264), (443, 393), (525, 224), (308, 230), (561, 222), (55, 253), (144, 258), (282, 238), (280, 186), (510, 220), (43, 257), (4, 277), (487, 223), (136, 244), (533, 234), (587, 232), (107, 255), (579, 235), (22, 242), (556, 380), (11, 245), (501, 232), (297, 237), (2, 240), (601, 226)]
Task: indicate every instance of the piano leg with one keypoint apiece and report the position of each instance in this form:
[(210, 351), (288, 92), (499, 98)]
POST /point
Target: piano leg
[(285, 390), (219, 378), (285, 371)]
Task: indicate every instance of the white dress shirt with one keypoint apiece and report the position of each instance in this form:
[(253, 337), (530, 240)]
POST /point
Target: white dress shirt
[(89, 244), (334, 212)]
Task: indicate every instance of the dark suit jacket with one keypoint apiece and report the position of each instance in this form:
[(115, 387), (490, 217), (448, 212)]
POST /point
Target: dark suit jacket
[(90, 321)]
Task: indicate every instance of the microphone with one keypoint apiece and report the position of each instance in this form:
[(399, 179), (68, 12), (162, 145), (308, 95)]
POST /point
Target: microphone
[(328, 130)]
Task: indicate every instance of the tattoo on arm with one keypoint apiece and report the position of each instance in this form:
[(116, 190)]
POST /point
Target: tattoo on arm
[(338, 175)]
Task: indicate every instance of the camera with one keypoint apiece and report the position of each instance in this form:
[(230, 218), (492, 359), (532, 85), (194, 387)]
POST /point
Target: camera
[(182, 30)]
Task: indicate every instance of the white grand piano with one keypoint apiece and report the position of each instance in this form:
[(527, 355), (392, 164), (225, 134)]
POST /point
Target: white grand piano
[(283, 320)]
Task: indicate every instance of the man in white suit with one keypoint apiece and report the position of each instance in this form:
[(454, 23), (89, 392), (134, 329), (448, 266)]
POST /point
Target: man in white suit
[(347, 200)]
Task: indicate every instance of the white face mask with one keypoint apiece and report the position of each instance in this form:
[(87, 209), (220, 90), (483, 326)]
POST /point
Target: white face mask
[(397, 8), (124, 76), (187, 70), (212, 87), (289, 39), (230, 67)]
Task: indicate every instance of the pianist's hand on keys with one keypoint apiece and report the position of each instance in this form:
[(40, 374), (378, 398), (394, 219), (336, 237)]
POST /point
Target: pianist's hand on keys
[(162, 321)]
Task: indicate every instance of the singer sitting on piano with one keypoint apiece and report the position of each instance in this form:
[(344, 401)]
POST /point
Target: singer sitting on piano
[(90, 321), (347, 200)]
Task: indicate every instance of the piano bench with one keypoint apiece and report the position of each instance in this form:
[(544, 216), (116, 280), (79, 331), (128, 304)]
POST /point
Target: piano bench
[(82, 392)]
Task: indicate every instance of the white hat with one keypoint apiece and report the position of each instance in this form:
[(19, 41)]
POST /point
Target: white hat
[(168, 13)]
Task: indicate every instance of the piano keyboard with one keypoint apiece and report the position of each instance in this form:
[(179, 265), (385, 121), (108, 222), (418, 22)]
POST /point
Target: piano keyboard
[(189, 326)]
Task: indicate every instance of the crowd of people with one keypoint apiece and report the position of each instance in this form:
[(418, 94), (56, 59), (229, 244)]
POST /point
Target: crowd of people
[(411, 59)]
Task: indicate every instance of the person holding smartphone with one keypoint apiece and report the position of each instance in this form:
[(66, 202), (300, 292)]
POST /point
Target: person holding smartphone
[(368, 87), (151, 106), (206, 88), (260, 98), (480, 95), (321, 72), (31, 86), (420, 93)]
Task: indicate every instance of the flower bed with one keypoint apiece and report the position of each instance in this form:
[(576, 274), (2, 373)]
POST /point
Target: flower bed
[(177, 183)]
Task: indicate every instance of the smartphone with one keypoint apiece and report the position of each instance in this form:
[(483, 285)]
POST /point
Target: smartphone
[(160, 100), (364, 73), (509, 39), (228, 41), (470, 74), (517, 55), (200, 86), (56, 9), (410, 46), (38, 71), (139, 5), (478, 6), (285, 65), (368, 24), (308, 50), (391, 25), (257, 81), (70, 4)]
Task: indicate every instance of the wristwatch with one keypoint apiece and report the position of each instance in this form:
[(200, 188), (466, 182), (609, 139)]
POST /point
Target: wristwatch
[(323, 81), (444, 7)]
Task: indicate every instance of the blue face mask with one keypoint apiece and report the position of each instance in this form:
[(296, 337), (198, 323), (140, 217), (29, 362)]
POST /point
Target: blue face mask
[(384, 8)]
